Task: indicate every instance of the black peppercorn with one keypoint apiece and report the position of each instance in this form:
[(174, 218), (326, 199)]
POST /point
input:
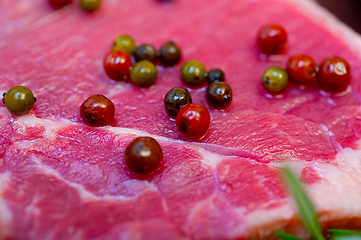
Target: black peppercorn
[(215, 75), (175, 99)]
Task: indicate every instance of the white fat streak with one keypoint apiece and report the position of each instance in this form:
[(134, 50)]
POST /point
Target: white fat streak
[(129, 131), (51, 127), (265, 222), (5, 212), (55, 15), (337, 195), (212, 159), (349, 160), (340, 180), (117, 89), (236, 233), (54, 126), (84, 194)]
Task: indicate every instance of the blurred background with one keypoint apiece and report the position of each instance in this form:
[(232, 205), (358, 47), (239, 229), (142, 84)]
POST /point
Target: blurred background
[(348, 11)]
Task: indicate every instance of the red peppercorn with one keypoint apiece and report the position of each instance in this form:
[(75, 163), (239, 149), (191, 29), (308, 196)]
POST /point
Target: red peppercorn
[(301, 69), (117, 64), (272, 39), (193, 121), (97, 111), (60, 3), (334, 74)]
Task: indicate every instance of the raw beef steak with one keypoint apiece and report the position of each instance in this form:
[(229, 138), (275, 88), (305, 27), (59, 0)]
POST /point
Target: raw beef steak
[(60, 179)]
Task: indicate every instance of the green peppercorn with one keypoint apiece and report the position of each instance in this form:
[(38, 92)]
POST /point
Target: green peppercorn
[(175, 99), (145, 52), (124, 43), (193, 73), (90, 5), (143, 74), (19, 100), (169, 54), (275, 79)]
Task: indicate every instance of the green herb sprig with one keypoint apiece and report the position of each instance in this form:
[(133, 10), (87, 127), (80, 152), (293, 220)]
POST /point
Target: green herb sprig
[(308, 215)]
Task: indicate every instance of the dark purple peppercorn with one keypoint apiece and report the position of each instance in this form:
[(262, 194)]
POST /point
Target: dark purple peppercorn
[(169, 54), (145, 52), (215, 75), (143, 155), (219, 94)]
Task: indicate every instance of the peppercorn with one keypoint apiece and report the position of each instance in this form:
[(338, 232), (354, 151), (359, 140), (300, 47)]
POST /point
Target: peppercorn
[(145, 52), (275, 79), (175, 99), (19, 100), (219, 94), (169, 54), (193, 73), (143, 155)]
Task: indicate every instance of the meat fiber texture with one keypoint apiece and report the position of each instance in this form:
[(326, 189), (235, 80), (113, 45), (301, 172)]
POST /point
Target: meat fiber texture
[(63, 180)]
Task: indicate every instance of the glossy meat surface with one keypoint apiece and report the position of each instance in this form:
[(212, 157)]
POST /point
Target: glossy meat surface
[(61, 179)]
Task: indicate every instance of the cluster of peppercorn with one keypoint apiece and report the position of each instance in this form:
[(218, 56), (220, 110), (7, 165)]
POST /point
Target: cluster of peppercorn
[(219, 93), (118, 66), (193, 120), (118, 63), (97, 110), (333, 75), (86, 5)]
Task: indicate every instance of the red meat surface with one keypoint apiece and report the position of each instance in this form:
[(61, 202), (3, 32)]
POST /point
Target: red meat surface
[(60, 179)]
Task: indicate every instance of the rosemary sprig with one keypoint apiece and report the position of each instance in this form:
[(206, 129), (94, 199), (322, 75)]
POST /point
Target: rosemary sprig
[(342, 234), (309, 217), (346, 237), (306, 210), (287, 236)]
